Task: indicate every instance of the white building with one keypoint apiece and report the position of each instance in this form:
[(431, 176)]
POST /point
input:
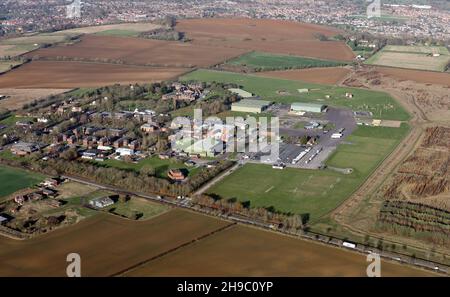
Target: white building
[(101, 202), (125, 151)]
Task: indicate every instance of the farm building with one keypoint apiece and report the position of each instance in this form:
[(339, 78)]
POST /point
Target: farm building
[(101, 202), (240, 92), (307, 107), (250, 105)]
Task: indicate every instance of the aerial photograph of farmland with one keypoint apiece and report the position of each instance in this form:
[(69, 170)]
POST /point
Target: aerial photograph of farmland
[(192, 139)]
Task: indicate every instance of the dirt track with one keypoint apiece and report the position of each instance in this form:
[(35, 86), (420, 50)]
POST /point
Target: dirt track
[(346, 214)]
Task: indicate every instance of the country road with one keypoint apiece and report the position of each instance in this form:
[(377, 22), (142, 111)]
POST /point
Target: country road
[(310, 236)]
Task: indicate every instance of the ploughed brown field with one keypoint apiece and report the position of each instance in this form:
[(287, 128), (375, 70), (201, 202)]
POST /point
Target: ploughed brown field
[(106, 244), (244, 251), (110, 245), (331, 75), (427, 77), (56, 74), (139, 51), (272, 36)]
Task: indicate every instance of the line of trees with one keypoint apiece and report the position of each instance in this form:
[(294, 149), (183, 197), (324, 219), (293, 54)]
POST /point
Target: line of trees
[(286, 221)]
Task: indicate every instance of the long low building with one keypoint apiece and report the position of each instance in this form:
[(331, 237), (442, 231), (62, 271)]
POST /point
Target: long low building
[(250, 105), (241, 92), (307, 107)]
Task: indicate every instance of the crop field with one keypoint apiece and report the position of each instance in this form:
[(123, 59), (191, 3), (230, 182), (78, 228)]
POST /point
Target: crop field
[(412, 57), (426, 77), (263, 62), (329, 76), (137, 51), (12, 180), (65, 75), (270, 36), (160, 166), (312, 192), (244, 251), (107, 244), (380, 104)]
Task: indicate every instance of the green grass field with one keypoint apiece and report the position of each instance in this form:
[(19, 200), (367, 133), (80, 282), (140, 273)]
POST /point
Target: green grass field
[(117, 32), (8, 65), (380, 104), (161, 166), (412, 57), (12, 180), (313, 192), (140, 206), (264, 62)]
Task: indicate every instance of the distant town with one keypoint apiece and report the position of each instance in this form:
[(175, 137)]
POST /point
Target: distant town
[(397, 20)]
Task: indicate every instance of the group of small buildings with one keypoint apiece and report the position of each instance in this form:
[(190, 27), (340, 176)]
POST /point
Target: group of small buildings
[(185, 92), (46, 189)]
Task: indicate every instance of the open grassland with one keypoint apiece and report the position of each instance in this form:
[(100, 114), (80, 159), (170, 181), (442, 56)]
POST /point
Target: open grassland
[(313, 192), (34, 39), (263, 35), (427, 77), (12, 180), (161, 167), (10, 50), (13, 47), (16, 98), (8, 65), (107, 244), (244, 251), (380, 104), (64, 75), (144, 209), (107, 29), (329, 76), (263, 62), (413, 57), (137, 51)]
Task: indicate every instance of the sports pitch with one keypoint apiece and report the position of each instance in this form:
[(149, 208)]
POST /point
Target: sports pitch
[(265, 61), (380, 104), (313, 192), (432, 58)]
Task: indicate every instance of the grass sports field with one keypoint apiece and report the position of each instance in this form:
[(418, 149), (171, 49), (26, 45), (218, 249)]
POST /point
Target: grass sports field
[(313, 192), (12, 180), (264, 62), (413, 57), (380, 104)]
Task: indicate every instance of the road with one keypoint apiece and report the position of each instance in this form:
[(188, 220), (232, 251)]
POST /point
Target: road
[(336, 242), (343, 213), (341, 118)]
